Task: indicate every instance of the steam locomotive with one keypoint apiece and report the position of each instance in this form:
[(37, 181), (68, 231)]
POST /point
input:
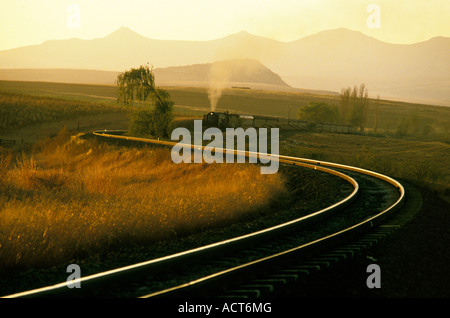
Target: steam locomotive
[(227, 120)]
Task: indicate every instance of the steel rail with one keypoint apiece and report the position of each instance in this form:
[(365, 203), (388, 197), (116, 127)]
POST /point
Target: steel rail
[(312, 164), (237, 241), (347, 232), (280, 158), (367, 223), (309, 248)]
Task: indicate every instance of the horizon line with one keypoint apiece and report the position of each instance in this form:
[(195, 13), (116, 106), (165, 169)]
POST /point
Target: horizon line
[(243, 31)]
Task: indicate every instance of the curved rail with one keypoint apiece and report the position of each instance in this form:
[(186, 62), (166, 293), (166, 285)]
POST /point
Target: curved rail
[(281, 158), (370, 222), (241, 240)]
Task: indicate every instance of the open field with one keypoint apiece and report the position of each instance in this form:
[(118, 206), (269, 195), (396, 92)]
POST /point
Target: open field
[(417, 154), (426, 122), (73, 197), (419, 161), (20, 110), (53, 183)]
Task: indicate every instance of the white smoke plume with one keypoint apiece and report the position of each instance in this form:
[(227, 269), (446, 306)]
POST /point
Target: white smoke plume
[(219, 76)]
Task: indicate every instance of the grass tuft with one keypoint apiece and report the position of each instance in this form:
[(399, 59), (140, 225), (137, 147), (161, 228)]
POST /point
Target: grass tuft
[(74, 197)]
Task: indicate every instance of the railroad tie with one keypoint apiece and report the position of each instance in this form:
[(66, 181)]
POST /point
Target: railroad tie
[(264, 288), (274, 282), (228, 261), (336, 255), (320, 263), (255, 289), (311, 268), (358, 246), (299, 272), (328, 259), (348, 251), (242, 293), (288, 277), (375, 237), (252, 290)]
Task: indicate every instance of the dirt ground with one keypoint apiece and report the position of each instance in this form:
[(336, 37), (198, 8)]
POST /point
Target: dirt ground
[(413, 262)]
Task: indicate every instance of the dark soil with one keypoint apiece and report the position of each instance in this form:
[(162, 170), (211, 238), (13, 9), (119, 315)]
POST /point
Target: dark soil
[(413, 261)]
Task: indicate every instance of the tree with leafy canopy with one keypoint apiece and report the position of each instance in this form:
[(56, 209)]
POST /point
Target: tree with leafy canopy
[(354, 105), (345, 104), (360, 107), (319, 112), (139, 84)]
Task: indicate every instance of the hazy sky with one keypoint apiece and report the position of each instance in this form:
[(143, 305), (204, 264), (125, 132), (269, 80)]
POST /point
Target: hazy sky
[(25, 22)]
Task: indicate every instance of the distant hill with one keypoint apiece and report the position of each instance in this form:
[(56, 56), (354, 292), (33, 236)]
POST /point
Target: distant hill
[(245, 71), (240, 73), (237, 72), (340, 58), (329, 60)]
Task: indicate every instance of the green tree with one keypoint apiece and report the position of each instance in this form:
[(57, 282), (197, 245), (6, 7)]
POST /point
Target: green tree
[(375, 118), (317, 112), (345, 104), (136, 83), (141, 122), (359, 101), (139, 84)]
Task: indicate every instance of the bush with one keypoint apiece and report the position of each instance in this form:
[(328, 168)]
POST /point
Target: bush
[(140, 123), (319, 113)]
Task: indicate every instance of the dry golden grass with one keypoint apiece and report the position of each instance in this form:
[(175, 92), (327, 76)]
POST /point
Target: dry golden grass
[(19, 110), (414, 160), (73, 197)]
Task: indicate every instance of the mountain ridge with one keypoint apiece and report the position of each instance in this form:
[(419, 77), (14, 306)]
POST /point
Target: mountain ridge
[(126, 31), (328, 60)]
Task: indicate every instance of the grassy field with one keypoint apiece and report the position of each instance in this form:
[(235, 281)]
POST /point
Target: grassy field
[(407, 134), (18, 110), (69, 181), (72, 197), (425, 162), (425, 121)]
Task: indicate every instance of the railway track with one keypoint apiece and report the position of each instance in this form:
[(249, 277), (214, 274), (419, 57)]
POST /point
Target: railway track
[(258, 263)]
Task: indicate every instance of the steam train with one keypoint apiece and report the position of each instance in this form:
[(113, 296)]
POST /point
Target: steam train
[(227, 120), (224, 120)]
